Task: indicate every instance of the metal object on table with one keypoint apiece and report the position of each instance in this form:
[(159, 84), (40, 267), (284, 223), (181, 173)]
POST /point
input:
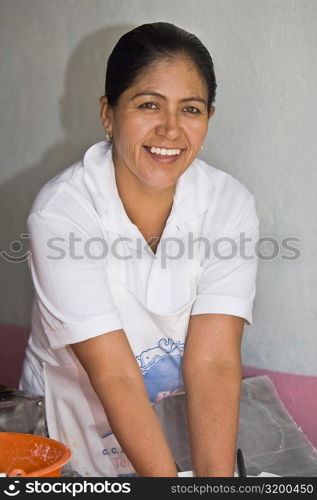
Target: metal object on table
[(21, 412), (240, 464)]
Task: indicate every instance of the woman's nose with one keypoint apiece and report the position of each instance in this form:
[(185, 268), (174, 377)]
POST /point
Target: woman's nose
[(169, 126)]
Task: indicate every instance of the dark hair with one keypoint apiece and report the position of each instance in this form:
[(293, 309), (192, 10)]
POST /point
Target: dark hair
[(141, 47)]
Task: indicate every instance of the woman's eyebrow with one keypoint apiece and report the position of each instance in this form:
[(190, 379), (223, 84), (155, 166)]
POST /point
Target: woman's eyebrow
[(157, 94)]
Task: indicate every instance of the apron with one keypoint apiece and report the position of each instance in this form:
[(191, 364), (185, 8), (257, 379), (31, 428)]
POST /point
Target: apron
[(74, 413)]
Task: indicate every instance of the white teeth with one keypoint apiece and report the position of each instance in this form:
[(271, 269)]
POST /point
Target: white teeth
[(165, 152)]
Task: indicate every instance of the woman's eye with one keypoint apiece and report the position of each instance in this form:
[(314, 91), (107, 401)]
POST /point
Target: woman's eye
[(148, 105), (192, 109)]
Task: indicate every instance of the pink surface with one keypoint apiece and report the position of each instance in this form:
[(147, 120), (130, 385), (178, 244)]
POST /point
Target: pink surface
[(12, 349), (298, 394)]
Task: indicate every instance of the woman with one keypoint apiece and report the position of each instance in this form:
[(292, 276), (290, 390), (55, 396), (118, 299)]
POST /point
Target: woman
[(140, 292)]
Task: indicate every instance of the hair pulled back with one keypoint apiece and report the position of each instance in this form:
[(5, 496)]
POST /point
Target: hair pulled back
[(139, 49)]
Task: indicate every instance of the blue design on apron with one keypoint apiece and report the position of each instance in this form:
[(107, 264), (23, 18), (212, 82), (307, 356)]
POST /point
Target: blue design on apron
[(161, 367)]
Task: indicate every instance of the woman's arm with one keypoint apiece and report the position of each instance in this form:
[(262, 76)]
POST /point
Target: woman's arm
[(212, 377), (116, 378)]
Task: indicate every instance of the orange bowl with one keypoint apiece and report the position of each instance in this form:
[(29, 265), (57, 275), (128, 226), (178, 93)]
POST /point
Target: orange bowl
[(30, 455)]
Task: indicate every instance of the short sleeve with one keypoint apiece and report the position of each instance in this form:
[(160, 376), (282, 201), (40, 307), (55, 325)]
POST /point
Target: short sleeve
[(69, 272), (227, 283)]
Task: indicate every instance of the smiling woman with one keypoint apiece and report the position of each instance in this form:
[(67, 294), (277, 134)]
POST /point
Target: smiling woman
[(152, 128), (156, 125), (153, 122), (144, 310)]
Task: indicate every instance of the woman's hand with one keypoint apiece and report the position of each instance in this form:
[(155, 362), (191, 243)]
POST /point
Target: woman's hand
[(116, 378), (212, 377)]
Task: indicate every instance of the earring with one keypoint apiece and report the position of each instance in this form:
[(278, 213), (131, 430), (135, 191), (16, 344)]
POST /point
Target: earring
[(201, 148), (108, 135)]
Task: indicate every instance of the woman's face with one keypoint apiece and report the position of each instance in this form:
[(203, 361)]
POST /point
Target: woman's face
[(166, 108)]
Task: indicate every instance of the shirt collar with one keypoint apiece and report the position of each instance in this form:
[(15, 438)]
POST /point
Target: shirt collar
[(194, 193)]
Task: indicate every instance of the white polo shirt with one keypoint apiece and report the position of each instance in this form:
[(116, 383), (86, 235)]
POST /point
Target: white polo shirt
[(206, 251)]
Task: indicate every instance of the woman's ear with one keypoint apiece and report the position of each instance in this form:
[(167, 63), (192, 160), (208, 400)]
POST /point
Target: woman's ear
[(211, 112), (105, 113)]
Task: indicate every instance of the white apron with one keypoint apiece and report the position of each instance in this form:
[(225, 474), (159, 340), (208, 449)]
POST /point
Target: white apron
[(74, 414)]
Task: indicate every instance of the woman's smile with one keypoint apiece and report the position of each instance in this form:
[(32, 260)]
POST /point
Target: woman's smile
[(164, 155)]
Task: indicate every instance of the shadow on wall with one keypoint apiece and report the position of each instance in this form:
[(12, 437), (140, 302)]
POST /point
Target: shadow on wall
[(79, 114)]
